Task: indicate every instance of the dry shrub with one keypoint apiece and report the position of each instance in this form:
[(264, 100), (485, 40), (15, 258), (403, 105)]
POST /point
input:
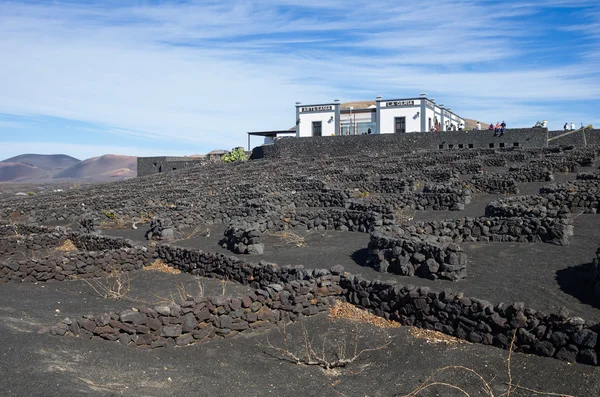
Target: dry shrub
[(116, 285), (404, 215), (347, 311), (289, 238), (328, 354), (434, 337), (183, 294), (160, 266), (67, 246), (198, 231)]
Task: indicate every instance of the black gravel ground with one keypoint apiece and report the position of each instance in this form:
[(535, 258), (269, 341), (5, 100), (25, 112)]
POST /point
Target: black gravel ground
[(44, 365), (544, 276)]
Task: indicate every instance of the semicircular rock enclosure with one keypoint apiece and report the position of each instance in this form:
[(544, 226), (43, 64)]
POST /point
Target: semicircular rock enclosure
[(491, 246)]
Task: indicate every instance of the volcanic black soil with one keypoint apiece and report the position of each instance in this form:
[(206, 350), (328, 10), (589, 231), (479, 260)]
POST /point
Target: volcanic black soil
[(544, 276), (43, 365)]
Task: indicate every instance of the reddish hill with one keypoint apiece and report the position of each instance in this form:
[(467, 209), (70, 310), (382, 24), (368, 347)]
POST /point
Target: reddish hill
[(103, 168)]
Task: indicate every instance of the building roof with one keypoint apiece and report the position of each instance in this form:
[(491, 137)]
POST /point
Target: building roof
[(358, 104), (273, 133)]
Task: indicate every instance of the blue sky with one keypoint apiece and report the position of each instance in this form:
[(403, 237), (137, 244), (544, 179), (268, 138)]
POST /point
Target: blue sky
[(178, 78)]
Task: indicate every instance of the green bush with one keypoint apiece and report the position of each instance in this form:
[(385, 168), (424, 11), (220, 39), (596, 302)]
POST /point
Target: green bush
[(31, 194), (110, 214), (237, 154)]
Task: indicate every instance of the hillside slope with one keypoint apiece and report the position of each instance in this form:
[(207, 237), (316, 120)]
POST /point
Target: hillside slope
[(103, 168), (45, 161), (17, 172)]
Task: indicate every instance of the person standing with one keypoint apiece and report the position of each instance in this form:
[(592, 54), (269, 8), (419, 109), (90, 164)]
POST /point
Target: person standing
[(478, 126), (369, 131), (502, 127), (572, 126), (566, 127)]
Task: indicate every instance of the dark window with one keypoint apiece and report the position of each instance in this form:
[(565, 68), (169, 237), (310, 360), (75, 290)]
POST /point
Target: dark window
[(160, 168), (429, 125), (399, 125), (174, 168), (501, 144), (491, 145), (316, 131), (154, 164), (450, 146), (441, 146), (516, 144), (470, 146), (461, 146)]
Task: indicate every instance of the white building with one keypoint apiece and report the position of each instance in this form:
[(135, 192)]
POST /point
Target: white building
[(382, 116)]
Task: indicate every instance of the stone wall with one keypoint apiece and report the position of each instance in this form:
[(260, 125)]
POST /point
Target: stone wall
[(291, 292), (391, 144), (154, 165), (59, 266), (201, 319), (576, 196), (245, 236), (489, 229), (588, 137), (545, 334), (414, 256)]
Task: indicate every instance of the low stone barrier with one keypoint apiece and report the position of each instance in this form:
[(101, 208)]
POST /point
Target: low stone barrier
[(290, 292), (533, 205), (244, 236), (550, 335), (493, 183), (486, 229), (75, 264), (575, 196), (414, 256), (201, 319)]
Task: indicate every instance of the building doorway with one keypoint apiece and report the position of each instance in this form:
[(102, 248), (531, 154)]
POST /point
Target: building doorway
[(399, 125), (316, 128)]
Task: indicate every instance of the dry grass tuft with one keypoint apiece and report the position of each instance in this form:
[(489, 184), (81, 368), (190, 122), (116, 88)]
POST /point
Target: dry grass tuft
[(67, 246), (160, 266), (289, 238), (116, 285), (331, 354), (435, 337), (350, 312)]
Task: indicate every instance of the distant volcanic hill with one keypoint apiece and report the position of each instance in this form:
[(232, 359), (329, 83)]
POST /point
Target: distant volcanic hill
[(45, 161), (470, 124), (103, 168), (16, 172), (36, 168)]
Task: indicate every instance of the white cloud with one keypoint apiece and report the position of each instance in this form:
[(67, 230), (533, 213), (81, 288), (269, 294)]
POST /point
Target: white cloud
[(205, 73)]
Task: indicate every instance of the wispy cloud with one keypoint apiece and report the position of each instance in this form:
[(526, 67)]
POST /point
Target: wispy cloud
[(204, 73)]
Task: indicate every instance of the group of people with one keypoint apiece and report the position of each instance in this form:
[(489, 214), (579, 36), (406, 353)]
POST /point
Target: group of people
[(567, 126), (449, 126), (498, 129)]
